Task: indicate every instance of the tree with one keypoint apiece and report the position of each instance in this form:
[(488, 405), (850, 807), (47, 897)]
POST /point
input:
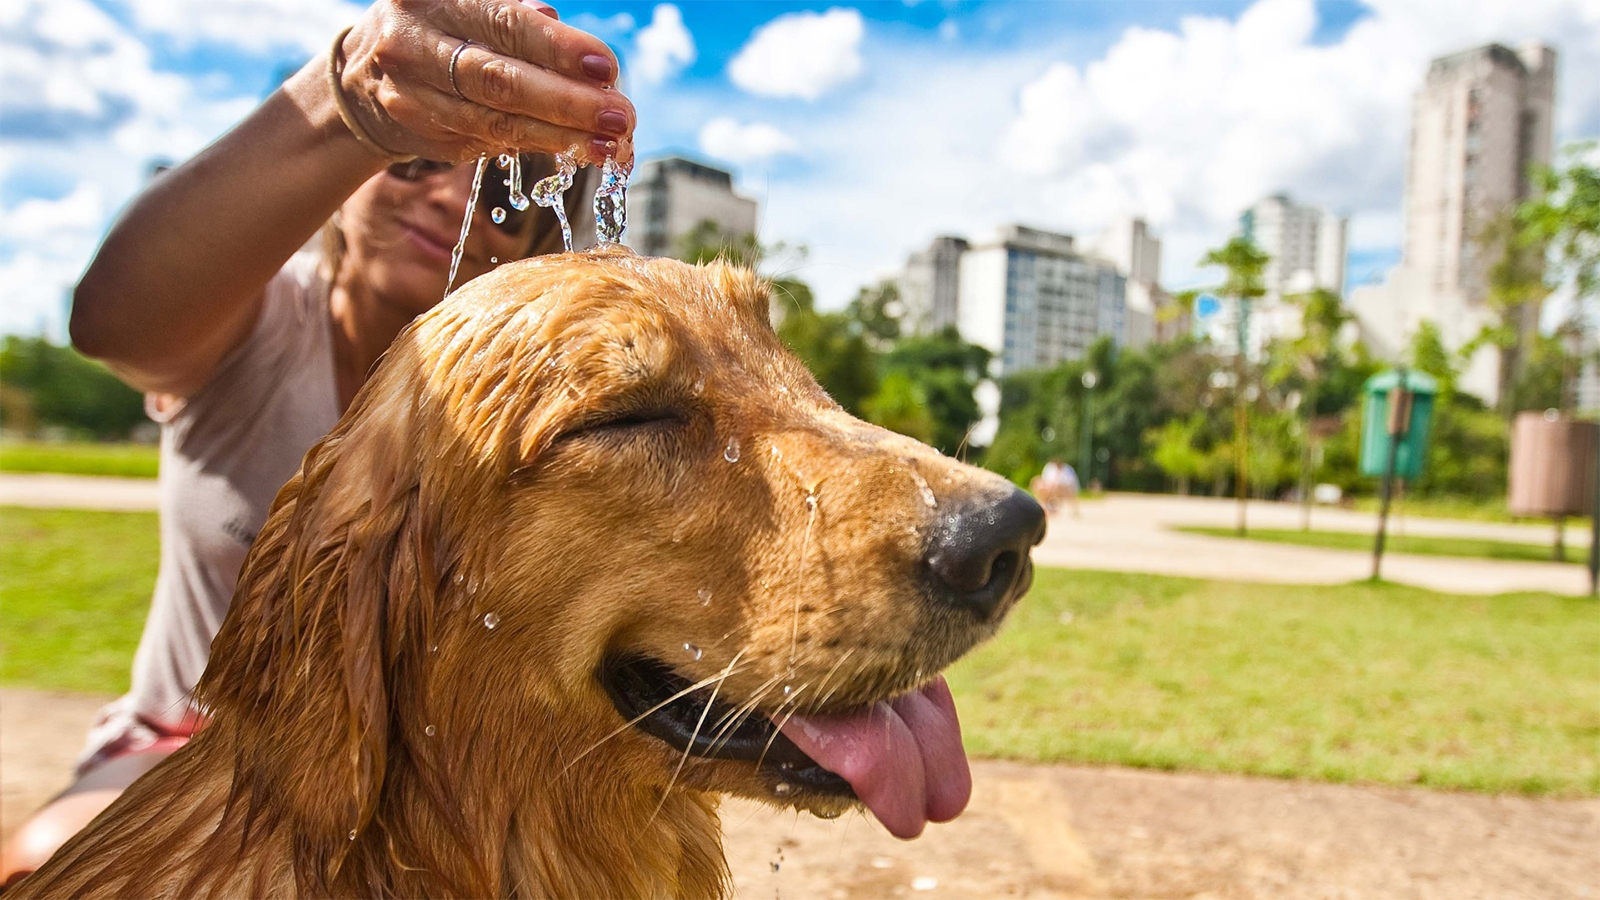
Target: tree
[(1176, 448), (1566, 219), (878, 309), (1244, 263), (1516, 290), (943, 372), (1303, 363), (48, 385), (829, 344)]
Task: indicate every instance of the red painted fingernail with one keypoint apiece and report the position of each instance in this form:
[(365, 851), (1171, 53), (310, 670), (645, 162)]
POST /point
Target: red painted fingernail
[(613, 122), (543, 7), (598, 67), (600, 148)]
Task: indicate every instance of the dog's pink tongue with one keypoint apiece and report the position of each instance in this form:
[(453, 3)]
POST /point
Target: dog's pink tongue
[(904, 758)]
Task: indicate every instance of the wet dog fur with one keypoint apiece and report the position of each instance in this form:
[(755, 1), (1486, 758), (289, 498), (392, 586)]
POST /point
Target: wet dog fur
[(571, 457)]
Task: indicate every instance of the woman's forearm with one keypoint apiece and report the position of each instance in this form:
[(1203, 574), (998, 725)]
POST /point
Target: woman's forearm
[(178, 281)]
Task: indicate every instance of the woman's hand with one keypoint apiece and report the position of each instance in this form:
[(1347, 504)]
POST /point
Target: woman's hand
[(526, 81)]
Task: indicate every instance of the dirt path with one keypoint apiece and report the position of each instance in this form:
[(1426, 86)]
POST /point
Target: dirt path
[(1068, 831)]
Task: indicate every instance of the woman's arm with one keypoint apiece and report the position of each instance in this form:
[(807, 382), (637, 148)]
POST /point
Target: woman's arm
[(178, 282)]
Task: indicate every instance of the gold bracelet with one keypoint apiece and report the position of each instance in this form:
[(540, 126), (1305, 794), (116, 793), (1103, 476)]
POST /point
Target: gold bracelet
[(336, 84)]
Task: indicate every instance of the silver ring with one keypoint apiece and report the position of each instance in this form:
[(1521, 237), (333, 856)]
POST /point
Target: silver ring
[(454, 58)]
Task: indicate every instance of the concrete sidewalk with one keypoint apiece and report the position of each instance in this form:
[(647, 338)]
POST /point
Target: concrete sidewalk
[(78, 492), (1133, 533)]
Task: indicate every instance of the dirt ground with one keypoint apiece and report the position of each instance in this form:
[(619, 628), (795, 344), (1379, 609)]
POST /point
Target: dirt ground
[(1070, 831)]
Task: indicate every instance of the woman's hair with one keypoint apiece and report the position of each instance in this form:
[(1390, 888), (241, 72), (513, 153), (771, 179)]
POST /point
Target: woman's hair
[(543, 237)]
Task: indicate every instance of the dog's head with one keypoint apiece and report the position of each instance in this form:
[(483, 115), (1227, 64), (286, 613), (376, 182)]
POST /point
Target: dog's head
[(591, 509)]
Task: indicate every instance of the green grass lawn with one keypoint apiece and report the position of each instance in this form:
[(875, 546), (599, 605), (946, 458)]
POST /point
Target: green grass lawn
[(1423, 545), (83, 458), (1377, 683), (74, 590)]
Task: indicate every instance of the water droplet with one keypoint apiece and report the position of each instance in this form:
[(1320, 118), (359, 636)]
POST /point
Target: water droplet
[(506, 160), (434, 649), (704, 595), (352, 834), (699, 386), (498, 214), (490, 620), (459, 578), (882, 862), (924, 883), (472, 586), (783, 389), (692, 650), (827, 813), (788, 689), (494, 260), (430, 731), (782, 789), (811, 502), (731, 452), (775, 866)]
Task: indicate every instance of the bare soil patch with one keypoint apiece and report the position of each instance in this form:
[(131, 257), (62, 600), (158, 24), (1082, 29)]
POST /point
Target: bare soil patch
[(1069, 831)]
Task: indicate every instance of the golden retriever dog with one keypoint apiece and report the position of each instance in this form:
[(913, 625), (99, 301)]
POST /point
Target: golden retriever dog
[(589, 550)]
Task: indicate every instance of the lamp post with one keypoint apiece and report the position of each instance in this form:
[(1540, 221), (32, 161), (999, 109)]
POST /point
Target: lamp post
[(1086, 432)]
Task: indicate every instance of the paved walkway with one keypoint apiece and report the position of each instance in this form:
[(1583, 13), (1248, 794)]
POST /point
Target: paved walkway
[(1122, 532), (1132, 533)]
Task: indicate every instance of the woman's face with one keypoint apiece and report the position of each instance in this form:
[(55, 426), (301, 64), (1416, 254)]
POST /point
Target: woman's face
[(399, 235)]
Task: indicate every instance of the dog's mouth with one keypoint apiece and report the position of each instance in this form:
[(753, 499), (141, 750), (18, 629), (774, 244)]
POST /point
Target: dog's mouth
[(667, 706), (901, 757)]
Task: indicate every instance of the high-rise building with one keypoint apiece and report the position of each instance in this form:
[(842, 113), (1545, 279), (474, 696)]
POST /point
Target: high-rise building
[(929, 287), (1305, 246), (1482, 119), (669, 196), (1136, 253), (1034, 300)]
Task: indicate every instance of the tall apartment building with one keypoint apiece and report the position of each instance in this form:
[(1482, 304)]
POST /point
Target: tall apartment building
[(669, 196), (1306, 250), (1482, 118), (1034, 300), (1136, 252), (930, 285)]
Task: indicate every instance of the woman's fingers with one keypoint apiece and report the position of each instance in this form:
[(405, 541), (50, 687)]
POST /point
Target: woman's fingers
[(479, 128), (522, 31), (511, 85)]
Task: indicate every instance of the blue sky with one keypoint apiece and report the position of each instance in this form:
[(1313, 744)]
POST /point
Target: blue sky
[(864, 129)]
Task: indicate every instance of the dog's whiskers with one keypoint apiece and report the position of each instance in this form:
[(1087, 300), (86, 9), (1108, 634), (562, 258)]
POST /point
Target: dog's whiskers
[(704, 711), (719, 678)]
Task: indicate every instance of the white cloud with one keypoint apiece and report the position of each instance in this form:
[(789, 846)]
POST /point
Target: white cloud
[(725, 138), (86, 112), (257, 25), (664, 47), (801, 55), (1184, 127)]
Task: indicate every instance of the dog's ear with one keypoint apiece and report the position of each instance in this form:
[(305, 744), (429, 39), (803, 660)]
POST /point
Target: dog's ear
[(330, 608)]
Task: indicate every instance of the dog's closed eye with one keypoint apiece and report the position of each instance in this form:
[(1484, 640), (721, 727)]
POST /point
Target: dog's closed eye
[(630, 422)]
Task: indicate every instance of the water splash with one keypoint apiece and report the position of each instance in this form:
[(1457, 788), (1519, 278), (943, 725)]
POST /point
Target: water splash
[(518, 200), (731, 452), (548, 192), (611, 201), (466, 224), (490, 620)]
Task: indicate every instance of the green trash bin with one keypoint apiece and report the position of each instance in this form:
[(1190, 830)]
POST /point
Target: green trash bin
[(1376, 424)]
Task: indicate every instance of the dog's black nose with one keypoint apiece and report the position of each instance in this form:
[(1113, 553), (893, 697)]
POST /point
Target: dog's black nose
[(979, 552)]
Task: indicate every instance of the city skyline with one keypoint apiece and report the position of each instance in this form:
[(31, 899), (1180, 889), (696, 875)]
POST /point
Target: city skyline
[(864, 146)]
